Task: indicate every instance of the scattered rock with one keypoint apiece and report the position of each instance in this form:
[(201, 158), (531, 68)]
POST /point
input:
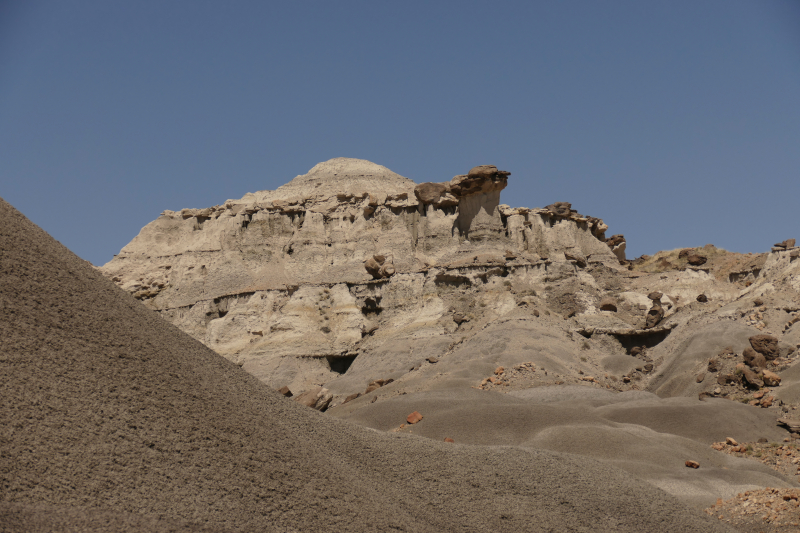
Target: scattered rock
[(758, 302), (752, 378), (414, 417), (432, 359), (448, 439), (730, 441), (499, 370), (285, 391), (753, 359), (713, 365), (771, 379), (692, 464), (702, 298), (700, 377), (767, 345)]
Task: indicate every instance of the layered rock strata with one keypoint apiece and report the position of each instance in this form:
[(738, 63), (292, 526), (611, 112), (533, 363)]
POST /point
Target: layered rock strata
[(292, 283)]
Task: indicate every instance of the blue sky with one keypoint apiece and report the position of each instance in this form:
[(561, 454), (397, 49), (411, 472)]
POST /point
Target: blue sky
[(677, 122)]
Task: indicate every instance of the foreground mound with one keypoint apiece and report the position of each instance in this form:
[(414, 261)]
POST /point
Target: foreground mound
[(114, 418)]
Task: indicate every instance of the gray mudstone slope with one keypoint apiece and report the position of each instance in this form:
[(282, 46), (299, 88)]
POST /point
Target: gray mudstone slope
[(114, 419)]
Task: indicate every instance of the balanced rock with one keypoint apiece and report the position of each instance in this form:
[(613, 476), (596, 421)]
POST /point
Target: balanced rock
[(788, 243)]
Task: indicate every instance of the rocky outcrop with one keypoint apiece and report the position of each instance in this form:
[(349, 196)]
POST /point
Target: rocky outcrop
[(295, 284)]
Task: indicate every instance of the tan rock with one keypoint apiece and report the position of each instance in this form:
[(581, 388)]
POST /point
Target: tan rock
[(771, 379), (499, 370), (730, 441), (692, 464)]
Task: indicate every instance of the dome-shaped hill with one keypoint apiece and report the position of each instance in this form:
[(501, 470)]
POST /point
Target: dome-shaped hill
[(341, 175), (109, 409)]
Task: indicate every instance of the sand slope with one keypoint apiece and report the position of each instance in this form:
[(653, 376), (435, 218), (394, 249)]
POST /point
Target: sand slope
[(114, 419)]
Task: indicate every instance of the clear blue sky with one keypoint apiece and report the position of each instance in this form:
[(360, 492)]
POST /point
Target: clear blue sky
[(676, 121)]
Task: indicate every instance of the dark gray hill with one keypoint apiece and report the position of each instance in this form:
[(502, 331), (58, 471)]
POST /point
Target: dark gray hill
[(112, 419)]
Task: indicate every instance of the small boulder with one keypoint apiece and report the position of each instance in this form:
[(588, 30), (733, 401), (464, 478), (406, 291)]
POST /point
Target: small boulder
[(752, 378), (702, 298), (654, 316), (448, 439), (285, 391), (753, 359), (655, 296), (700, 377), (692, 464), (414, 417), (432, 359), (499, 370), (730, 441), (714, 365), (771, 379), (767, 345)]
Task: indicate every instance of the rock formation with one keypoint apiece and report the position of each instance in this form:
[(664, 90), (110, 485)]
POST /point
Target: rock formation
[(287, 282)]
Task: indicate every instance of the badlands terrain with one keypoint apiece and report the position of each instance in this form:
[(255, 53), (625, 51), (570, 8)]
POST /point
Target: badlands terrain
[(356, 351)]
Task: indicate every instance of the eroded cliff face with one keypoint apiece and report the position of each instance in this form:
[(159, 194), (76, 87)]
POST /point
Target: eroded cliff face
[(277, 280)]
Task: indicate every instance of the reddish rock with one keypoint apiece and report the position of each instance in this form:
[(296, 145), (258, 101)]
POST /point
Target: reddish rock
[(448, 439), (767, 402), (718, 446), (285, 391), (731, 441), (499, 370), (414, 417), (766, 345), (692, 464)]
